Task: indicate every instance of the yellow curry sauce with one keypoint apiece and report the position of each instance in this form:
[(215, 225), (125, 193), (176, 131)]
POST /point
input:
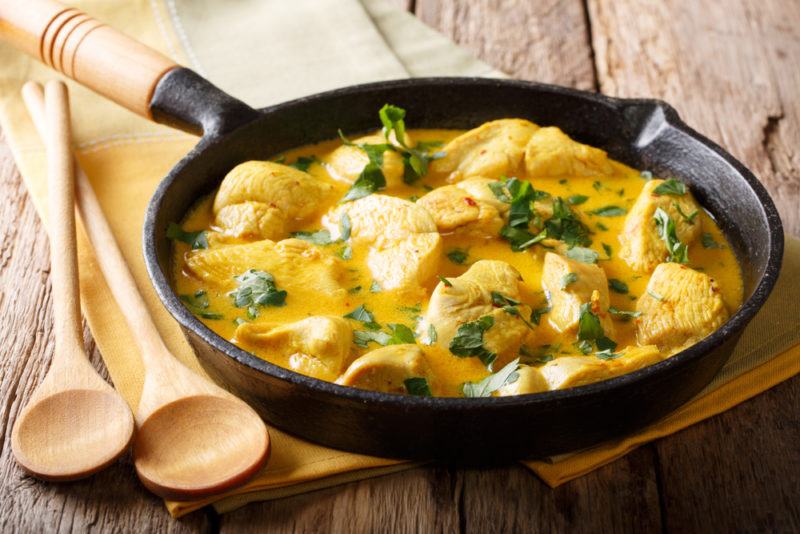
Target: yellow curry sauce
[(544, 344)]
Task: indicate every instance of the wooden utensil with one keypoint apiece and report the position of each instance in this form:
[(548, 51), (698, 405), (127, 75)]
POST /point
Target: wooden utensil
[(75, 423), (194, 438)]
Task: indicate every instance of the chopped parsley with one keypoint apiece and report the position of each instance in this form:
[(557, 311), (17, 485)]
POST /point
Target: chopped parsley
[(509, 306), (583, 255), (607, 249), (536, 315), (399, 334), (304, 162), (565, 226), (417, 386), (568, 279), (468, 341), (432, 335), (677, 251), (624, 315), (618, 285), (195, 239), (363, 315), (688, 218), (375, 287), (577, 200), (256, 289), (346, 252), (609, 211), (709, 242), (444, 280), (607, 354), (319, 237), (345, 227), (591, 330), (654, 294), (670, 187), (457, 256), (415, 160), (521, 239), (198, 305), (646, 175), (493, 382)]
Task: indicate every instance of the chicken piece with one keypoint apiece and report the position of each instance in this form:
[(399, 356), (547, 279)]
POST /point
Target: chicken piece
[(405, 247), (386, 369), (530, 380), (318, 346), (296, 265), (491, 150), (680, 307), (571, 371), (252, 220), (455, 210), (468, 298), (478, 188), (347, 161), (589, 285), (642, 246), (256, 195), (552, 154)]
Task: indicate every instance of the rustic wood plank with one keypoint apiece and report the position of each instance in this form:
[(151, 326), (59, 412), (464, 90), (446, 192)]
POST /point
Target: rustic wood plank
[(730, 69), (419, 500), (545, 40), (739, 471), (620, 497), (111, 501)]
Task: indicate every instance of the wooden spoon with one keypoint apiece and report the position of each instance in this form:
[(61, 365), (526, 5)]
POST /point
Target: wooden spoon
[(194, 438), (75, 423)]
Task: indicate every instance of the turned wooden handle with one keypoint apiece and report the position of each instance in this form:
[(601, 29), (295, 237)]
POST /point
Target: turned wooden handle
[(86, 50), (61, 221)]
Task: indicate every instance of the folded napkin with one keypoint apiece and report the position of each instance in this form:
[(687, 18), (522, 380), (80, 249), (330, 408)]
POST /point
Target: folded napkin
[(283, 50)]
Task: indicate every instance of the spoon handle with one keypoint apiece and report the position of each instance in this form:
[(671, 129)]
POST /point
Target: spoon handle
[(110, 259), (61, 220)]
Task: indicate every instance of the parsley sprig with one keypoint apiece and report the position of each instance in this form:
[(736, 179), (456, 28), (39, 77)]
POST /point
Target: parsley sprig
[(195, 239), (198, 304), (590, 330), (493, 382), (256, 290), (468, 341), (678, 252)]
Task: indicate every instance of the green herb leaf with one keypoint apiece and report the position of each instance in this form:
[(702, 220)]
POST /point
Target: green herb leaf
[(568, 279), (618, 285), (362, 338), (564, 225), (256, 289), (500, 300), (609, 211), (709, 242), (195, 239), (369, 181), (493, 382), (400, 334), (345, 227), (607, 249), (198, 305), (521, 239), (584, 346), (361, 314), (589, 326), (536, 315), (688, 218), (444, 280), (433, 337), (583, 255), (392, 118), (468, 341), (577, 200), (458, 256), (646, 175), (624, 315), (375, 287), (670, 187), (417, 386), (601, 226), (500, 191), (346, 252), (608, 354), (319, 237), (677, 251), (304, 162)]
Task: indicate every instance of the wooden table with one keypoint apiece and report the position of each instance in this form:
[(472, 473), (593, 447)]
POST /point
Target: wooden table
[(732, 69)]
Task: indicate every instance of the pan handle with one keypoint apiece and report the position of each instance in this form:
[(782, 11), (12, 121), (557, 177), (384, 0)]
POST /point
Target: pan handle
[(119, 67)]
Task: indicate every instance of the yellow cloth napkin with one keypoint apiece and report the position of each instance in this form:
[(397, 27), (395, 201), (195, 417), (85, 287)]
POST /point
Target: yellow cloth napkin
[(283, 50)]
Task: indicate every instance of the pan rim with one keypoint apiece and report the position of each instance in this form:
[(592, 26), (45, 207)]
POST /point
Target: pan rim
[(727, 332)]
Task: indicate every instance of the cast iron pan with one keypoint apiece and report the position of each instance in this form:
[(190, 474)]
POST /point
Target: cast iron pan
[(645, 134)]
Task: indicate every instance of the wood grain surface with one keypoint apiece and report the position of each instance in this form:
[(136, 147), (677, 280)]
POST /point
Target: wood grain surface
[(730, 68)]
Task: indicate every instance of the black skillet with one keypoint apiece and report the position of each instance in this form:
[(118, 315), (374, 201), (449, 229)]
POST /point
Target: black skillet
[(645, 134)]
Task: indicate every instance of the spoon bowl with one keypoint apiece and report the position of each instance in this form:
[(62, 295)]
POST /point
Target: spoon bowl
[(72, 433), (199, 445)]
